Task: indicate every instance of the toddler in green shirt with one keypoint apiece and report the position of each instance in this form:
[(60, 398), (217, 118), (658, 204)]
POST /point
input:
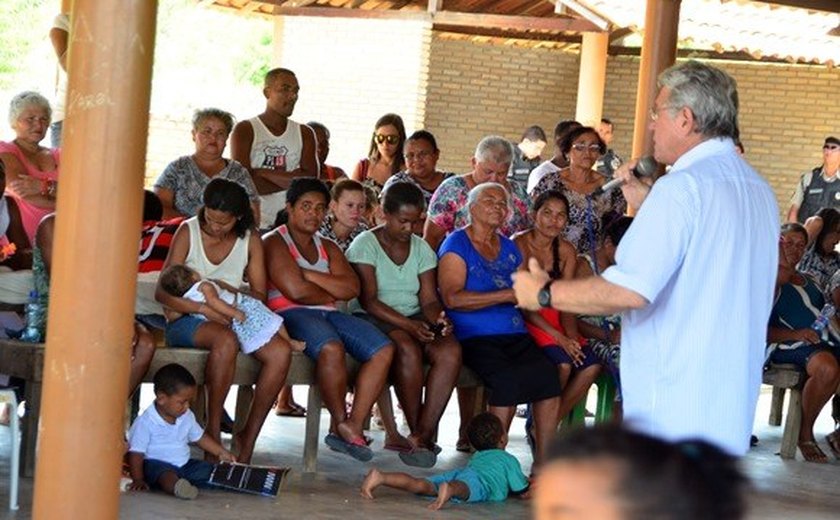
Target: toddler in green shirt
[(491, 475)]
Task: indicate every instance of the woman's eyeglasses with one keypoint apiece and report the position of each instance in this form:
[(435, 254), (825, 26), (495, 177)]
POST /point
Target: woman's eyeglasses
[(580, 147), (391, 139)]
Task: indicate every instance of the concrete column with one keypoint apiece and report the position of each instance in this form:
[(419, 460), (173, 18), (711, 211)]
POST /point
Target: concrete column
[(277, 41), (659, 51), (592, 77), (91, 310)]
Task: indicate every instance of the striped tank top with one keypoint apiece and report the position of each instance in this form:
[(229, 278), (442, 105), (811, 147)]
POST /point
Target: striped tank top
[(276, 300)]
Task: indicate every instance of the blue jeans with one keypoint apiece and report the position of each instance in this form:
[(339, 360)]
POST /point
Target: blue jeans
[(317, 327), (196, 471)]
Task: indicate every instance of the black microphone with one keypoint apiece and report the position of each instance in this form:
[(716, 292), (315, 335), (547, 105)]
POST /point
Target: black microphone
[(646, 167)]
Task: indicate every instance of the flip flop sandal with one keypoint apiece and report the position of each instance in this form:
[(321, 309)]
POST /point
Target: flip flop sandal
[(291, 412), (463, 446), (355, 448), (399, 448), (811, 452), (419, 458)]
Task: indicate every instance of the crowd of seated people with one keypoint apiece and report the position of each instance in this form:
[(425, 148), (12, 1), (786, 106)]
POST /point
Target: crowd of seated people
[(424, 280)]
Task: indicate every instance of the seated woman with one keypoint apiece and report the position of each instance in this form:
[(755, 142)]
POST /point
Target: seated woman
[(385, 157), (345, 221), (307, 276), (15, 248), (476, 264), (221, 244), (31, 169), (555, 332), (603, 332), (792, 340), (820, 260), (142, 345), (421, 157), (182, 183), (399, 295)]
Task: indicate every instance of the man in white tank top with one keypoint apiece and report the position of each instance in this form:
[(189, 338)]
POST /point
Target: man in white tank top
[(274, 148)]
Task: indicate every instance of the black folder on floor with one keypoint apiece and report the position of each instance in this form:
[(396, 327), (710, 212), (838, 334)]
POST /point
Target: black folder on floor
[(258, 480)]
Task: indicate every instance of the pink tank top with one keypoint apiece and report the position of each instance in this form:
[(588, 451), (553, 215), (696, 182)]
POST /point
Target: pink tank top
[(30, 214), (276, 301)]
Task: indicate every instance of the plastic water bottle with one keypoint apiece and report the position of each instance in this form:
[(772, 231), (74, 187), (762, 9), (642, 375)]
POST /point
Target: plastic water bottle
[(822, 320), (35, 319)]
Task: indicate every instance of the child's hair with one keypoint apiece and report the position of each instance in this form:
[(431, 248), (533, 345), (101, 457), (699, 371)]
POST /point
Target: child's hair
[(372, 198), (616, 229), (177, 279), (690, 480), (485, 431), (171, 378)]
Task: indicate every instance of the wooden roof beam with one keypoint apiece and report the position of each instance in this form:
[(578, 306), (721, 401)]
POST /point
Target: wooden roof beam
[(449, 18)]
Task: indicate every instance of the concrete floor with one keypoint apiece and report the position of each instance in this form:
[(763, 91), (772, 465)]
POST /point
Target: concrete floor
[(782, 489)]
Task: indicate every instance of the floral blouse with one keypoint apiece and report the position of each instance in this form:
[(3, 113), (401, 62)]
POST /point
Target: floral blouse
[(820, 268), (605, 208), (448, 207)]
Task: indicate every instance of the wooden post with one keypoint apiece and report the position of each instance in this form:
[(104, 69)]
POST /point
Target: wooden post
[(94, 275), (592, 77), (659, 51)]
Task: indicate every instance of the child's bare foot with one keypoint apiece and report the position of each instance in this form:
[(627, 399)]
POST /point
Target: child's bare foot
[(445, 492), (372, 481), (297, 346)]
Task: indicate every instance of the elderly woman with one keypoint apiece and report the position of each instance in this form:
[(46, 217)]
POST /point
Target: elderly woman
[(476, 264), (31, 169), (820, 260), (399, 295), (791, 338), (557, 333), (221, 244), (385, 157), (181, 185), (308, 276), (345, 220), (582, 146), (421, 156), (448, 209)]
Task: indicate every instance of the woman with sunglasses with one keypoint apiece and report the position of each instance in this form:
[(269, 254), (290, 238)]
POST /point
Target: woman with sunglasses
[(578, 181), (385, 157)]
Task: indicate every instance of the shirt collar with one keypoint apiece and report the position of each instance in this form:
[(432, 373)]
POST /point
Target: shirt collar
[(713, 146)]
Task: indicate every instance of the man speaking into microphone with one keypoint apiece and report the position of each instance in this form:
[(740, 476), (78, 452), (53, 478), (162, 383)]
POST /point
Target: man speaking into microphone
[(694, 275)]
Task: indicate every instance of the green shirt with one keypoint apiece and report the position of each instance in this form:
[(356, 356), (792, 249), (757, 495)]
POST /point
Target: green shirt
[(398, 286), (500, 472)]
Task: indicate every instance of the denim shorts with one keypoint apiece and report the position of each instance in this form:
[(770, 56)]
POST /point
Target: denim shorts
[(317, 327), (196, 471), (181, 332), (800, 356), (469, 476)]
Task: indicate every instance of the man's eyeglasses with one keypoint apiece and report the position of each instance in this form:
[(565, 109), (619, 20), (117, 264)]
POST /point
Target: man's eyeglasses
[(831, 147), (391, 139), (654, 112), (594, 147)]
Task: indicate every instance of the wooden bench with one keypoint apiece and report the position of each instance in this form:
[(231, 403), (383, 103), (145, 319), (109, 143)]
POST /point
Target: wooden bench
[(782, 378), (26, 361)]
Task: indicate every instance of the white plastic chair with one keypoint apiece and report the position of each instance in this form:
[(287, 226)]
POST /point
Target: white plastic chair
[(8, 398)]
